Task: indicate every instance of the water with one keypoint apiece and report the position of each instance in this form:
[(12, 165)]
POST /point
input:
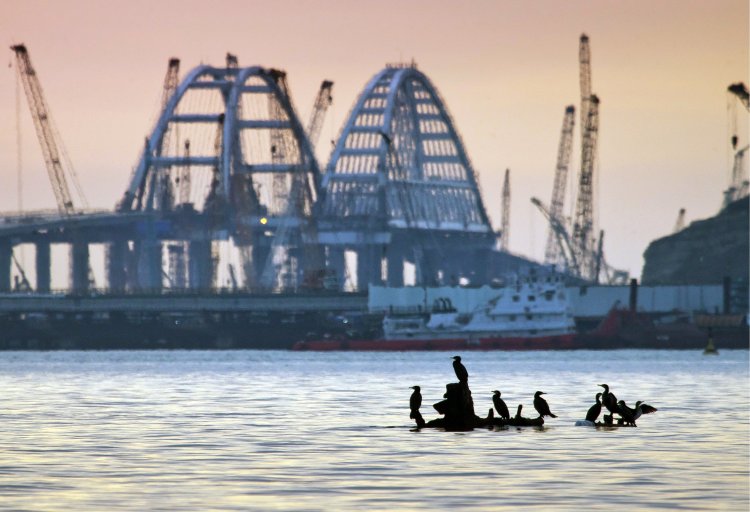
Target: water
[(257, 430)]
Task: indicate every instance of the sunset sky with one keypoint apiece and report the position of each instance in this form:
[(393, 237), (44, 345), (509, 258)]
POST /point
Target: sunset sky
[(506, 70)]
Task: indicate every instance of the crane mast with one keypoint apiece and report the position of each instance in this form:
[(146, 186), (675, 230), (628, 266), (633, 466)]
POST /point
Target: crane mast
[(48, 138), (583, 226), (505, 222), (584, 60), (322, 101), (552, 254)]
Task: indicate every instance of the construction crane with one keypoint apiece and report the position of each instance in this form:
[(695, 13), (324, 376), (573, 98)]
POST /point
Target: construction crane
[(322, 101), (58, 164), (164, 191), (584, 61), (552, 252), (505, 219), (679, 225), (583, 225), (565, 246)]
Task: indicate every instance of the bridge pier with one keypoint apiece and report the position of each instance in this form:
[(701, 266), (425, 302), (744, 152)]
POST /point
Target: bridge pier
[(6, 259), (369, 266), (79, 266), (337, 263), (117, 258), (200, 264), (395, 265), (43, 266), (149, 264)]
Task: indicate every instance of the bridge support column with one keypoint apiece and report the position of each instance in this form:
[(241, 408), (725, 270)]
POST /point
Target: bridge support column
[(117, 255), (79, 267), (395, 264), (6, 258), (149, 265), (201, 272), (369, 266), (260, 256), (43, 266), (337, 263)]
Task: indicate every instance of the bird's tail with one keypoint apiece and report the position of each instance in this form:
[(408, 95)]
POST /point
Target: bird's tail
[(552, 415)]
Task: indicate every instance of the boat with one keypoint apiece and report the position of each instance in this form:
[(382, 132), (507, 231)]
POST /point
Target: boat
[(529, 314)]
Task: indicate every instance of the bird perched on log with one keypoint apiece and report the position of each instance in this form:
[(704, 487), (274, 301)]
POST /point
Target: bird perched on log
[(415, 402), (541, 405), (609, 400), (460, 369), (629, 415), (518, 411), (500, 407), (595, 410)]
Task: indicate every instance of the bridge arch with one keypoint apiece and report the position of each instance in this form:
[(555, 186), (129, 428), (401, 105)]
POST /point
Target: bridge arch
[(399, 181)]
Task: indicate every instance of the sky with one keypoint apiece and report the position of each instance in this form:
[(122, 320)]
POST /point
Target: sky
[(506, 70)]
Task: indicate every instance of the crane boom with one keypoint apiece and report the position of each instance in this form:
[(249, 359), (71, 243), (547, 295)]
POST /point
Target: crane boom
[(565, 245), (552, 253), (505, 222), (322, 101), (584, 60), (48, 138), (583, 225)]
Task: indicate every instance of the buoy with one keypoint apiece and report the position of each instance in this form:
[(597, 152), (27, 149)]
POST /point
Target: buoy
[(710, 349)]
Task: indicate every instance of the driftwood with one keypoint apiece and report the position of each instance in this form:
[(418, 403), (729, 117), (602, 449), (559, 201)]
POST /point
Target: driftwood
[(458, 413)]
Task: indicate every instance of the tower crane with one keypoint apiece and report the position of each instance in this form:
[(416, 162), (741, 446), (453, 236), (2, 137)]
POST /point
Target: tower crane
[(584, 61), (583, 226), (52, 148), (164, 190), (505, 219), (322, 101), (552, 252)]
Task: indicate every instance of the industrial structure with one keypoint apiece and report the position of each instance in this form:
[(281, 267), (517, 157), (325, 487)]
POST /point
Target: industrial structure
[(575, 244), (229, 168)]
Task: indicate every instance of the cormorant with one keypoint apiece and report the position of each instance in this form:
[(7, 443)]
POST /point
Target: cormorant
[(541, 405), (609, 400), (628, 414), (595, 410), (518, 411), (500, 407), (415, 402), (461, 372)]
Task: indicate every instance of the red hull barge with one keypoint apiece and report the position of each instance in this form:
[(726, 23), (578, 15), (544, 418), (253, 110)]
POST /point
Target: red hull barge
[(560, 342)]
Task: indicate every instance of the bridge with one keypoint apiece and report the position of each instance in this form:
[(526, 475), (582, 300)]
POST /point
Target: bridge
[(228, 183)]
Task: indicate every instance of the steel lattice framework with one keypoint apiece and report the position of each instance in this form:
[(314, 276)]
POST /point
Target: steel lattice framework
[(229, 147), (400, 160), (399, 184)]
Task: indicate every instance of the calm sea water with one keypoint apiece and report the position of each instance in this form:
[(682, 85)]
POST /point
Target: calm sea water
[(257, 430)]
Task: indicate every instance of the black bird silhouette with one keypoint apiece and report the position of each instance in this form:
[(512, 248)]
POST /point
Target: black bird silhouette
[(595, 410), (415, 402), (500, 407), (629, 415), (541, 405), (518, 411), (609, 400), (461, 372)]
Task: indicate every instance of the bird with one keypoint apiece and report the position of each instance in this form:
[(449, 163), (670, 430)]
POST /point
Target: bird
[(628, 415), (609, 400), (461, 372), (541, 405), (595, 410), (640, 409), (415, 402), (500, 407), (518, 411)]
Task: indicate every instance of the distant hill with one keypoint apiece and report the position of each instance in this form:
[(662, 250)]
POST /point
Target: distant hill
[(704, 252)]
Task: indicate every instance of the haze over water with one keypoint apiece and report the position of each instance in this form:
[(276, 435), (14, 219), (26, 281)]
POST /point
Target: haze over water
[(239, 430)]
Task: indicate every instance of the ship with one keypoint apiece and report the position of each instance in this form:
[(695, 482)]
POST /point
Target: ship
[(529, 314)]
